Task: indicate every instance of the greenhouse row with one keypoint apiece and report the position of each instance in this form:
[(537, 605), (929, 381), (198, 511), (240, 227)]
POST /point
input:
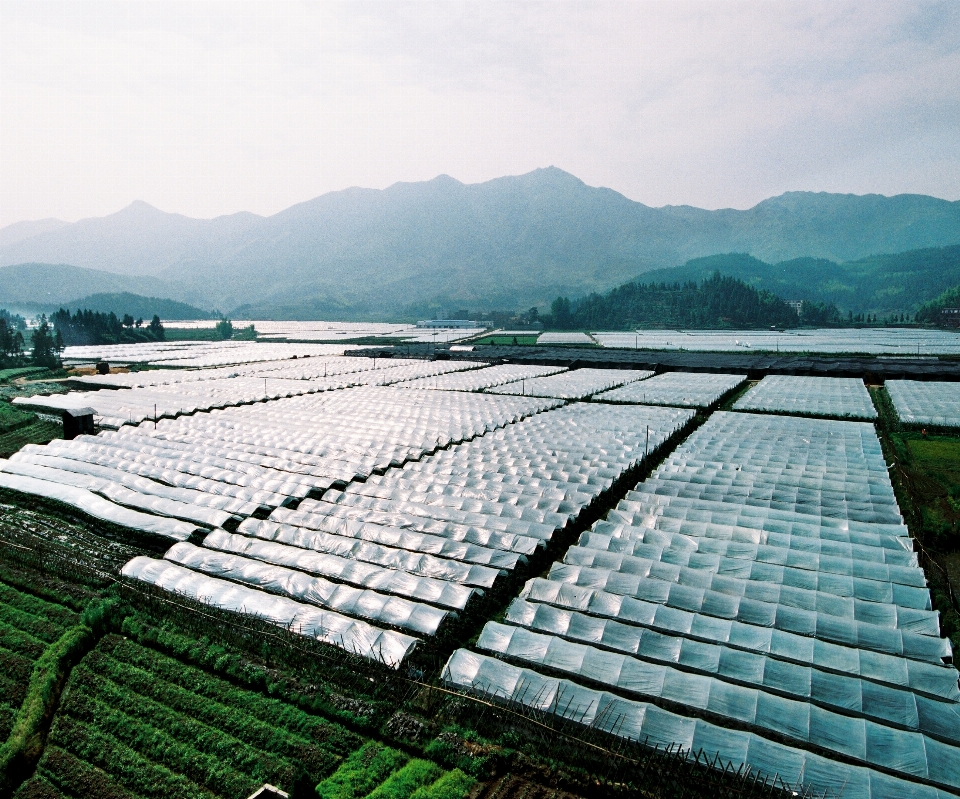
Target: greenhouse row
[(838, 692), (764, 694), (115, 408), (845, 397), (479, 379), (656, 726), (520, 483), (353, 635), (867, 341), (686, 389), (782, 599), (196, 354), (933, 403), (922, 670), (565, 338), (267, 454), (575, 384), (306, 368)]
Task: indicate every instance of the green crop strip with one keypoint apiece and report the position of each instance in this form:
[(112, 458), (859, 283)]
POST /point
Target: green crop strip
[(452, 785), (403, 783), (26, 740), (361, 772), (255, 749), (127, 767), (272, 712)]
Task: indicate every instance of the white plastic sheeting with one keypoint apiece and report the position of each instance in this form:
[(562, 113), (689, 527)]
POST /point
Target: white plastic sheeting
[(814, 396), (565, 338), (808, 466), (864, 579), (197, 354), (686, 389), (97, 507), (576, 384), (284, 522), (929, 677), (306, 368), (133, 406), (268, 453), (762, 576), (389, 374), (527, 479), (754, 691), (307, 554), (642, 721), (479, 379), (115, 492), (933, 403), (359, 637), (30, 455), (380, 608), (829, 689), (876, 341), (318, 515), (343, 569)]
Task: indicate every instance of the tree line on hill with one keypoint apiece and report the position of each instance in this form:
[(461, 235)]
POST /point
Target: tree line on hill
[(64, 329), (12, 327), (930, 311), (716, 302), (92, 327)]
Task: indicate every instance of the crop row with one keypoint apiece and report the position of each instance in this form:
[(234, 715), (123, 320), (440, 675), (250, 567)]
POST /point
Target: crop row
[(28, 626), (134, 723), (57, 614), (138, 735), (37, 626), (272, 712), (119, 710), (134, 772), (60, 774), (378, 772)]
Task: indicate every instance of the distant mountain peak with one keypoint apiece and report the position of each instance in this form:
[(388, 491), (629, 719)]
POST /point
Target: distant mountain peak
[(140, 208), (554, 176)]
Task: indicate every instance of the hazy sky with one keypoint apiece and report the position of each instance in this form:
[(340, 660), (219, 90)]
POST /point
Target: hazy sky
[(211, 108)]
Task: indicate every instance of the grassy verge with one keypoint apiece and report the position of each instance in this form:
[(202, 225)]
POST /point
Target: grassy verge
[(34, 432)]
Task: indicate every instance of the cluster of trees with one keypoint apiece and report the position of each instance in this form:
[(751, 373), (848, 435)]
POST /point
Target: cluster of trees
[(930, 311), (47, 345), (93, 327), (716, 302), (11, 338)]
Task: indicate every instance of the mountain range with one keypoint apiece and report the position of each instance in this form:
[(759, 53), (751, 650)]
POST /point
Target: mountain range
[(509, 243)]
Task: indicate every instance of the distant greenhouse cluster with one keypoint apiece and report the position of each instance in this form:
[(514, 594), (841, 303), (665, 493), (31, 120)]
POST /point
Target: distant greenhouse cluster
[(867, 341), (685, 389), (575, 384)]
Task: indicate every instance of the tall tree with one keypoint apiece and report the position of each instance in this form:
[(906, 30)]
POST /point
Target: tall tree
[(44, 344)]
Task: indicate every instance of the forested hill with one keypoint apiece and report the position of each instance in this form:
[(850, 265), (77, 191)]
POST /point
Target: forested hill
[(880, 284), (715, 303), (511, 242)]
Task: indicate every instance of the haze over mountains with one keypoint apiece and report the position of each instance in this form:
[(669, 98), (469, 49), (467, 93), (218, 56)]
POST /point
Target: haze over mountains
[(512, 242)]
